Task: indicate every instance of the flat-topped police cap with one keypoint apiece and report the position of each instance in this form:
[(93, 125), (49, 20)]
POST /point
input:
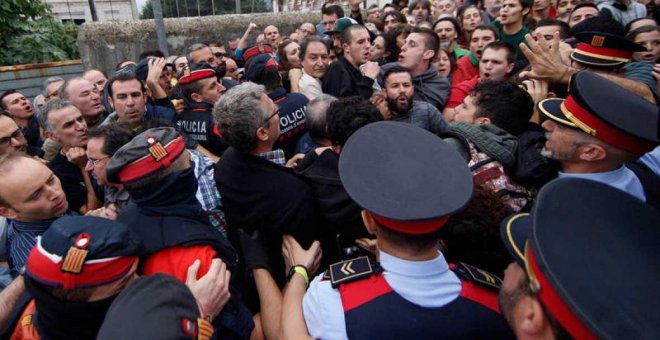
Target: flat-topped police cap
[(83, 251), (155, 307), (191, 74), (592, 259), (603, 49), (261, 48), (407, 178), (148, 152), (606, 111), (257, 65)]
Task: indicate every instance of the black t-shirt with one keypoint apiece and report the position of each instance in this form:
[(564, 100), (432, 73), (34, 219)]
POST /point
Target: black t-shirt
[(72, 181)]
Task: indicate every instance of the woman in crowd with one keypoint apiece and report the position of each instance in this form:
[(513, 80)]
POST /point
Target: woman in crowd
[(469, 17), (288, 59)]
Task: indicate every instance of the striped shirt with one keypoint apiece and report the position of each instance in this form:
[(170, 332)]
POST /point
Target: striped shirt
[(21, 237)]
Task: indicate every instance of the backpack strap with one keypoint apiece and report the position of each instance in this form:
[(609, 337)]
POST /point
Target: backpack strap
[(650, 182)]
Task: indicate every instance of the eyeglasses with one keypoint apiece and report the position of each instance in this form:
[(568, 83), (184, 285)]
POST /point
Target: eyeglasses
[(277, 112), (4, 141), (96, 162), (219, 54)]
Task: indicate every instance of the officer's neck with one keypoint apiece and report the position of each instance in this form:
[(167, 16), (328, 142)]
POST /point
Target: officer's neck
[(426, 254), (588, 167)]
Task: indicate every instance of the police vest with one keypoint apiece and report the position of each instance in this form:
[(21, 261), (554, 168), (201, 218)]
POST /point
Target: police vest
[(198, 124), (373, 309)]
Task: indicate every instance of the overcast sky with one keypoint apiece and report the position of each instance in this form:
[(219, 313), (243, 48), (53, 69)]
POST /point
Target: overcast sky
[(140, 3)]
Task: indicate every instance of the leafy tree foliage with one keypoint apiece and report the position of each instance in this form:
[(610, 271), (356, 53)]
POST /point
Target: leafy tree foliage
[(30, 34)]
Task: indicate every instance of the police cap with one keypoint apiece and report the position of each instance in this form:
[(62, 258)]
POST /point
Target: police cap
[(606, 111), (592, 252), (407, 178), (148, 152), (83, 251)]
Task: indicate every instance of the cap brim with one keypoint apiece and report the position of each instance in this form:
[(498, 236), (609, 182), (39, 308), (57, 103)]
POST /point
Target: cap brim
[(515, 231), (551, 108), (576, 55)]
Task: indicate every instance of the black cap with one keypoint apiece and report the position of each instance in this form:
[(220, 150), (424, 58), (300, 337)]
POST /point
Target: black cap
[(257, 65), (83, 251), (406, 177), (593, 249), (604, 49), (155, 307), (607, 111)]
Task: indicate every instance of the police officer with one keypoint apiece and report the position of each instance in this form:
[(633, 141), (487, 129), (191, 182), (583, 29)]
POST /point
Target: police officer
[(72, 275), (168, 218), (586, 265), (598, 128), (201, 89), (413, 292)]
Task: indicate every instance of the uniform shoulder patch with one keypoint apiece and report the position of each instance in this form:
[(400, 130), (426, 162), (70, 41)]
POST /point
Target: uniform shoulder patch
[(478, 276), (352, 270)]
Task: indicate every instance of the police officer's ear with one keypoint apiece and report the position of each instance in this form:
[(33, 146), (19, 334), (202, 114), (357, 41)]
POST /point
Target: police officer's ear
[(592, 152), (529, 320), (196, 97), (369, 222)]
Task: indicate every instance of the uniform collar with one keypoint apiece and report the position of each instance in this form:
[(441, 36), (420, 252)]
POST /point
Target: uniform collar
[(399, 266)]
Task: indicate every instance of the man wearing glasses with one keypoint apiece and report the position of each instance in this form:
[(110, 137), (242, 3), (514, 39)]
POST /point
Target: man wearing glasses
[(11, 136), (258, 192)]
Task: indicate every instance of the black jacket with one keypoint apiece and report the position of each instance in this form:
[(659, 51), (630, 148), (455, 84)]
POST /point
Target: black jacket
[(260, 195), (341, 79)]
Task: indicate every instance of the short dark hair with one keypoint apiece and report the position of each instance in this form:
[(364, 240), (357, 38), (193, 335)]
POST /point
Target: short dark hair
[(347, 115), (431, 40), (503, 45), (347, 33), (115, 136), (583, 5), (414, 243), (122, 76), (563, 27), (400, 17), (485, 27), (473, 234), (151, 53), (334, 9), (393, 70), (506, 105), (3, 95), (305, 43), (457, 25)]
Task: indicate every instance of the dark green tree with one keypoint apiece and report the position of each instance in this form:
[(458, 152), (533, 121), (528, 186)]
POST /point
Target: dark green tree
[(30, 34)]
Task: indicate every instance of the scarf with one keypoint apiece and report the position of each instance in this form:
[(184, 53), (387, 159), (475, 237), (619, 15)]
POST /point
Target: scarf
[(173, 195)]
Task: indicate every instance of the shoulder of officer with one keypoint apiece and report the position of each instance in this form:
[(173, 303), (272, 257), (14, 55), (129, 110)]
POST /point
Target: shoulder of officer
[(351, 270), (477, 276)]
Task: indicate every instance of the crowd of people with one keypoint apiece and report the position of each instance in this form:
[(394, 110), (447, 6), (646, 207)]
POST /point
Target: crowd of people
[(446, 169)]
